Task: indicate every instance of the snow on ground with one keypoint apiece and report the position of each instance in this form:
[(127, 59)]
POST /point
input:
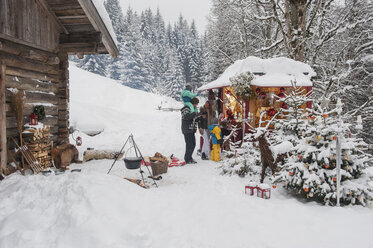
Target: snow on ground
[(194, 206)]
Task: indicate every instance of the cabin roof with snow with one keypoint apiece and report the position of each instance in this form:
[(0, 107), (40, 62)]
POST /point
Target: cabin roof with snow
[(84, 21), (71, 26), (273, 72)]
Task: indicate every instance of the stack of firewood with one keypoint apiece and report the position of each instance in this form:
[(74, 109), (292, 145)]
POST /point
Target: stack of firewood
[(39, 143)]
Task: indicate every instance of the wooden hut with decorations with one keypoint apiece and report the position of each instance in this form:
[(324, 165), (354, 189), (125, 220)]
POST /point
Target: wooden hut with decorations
[(36, 37), (260, 81)]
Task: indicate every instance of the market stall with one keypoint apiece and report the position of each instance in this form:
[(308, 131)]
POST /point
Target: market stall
[(265, 80)]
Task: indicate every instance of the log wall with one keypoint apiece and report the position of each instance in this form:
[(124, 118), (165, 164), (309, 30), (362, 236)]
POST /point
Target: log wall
[(26, 21), (44, 77)]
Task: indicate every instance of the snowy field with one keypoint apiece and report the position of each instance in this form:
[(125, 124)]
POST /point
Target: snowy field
[(194, 206)]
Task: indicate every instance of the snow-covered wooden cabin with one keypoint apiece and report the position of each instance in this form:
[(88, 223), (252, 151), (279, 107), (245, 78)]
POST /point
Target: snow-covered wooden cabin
[(36, 37), (271, 77)]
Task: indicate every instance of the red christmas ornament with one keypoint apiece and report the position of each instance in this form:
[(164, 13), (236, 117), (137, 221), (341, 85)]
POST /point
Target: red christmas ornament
[(313, 117), (271, 112), (324, 115), (291, 173), (334, 138), (326, 166), (334, 179), (306, 189)]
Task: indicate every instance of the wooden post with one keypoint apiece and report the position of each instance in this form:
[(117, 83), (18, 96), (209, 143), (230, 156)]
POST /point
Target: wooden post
[(63, 103), (3, 159)]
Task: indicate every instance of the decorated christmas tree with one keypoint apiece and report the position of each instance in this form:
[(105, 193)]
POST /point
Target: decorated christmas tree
[(311, 169)]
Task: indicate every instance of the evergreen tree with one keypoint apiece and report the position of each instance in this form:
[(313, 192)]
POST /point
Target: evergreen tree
[(310, 170), (94, 63), (174, 77)]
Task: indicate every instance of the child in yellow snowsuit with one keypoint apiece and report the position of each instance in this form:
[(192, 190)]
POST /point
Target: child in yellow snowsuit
[(215, 133)]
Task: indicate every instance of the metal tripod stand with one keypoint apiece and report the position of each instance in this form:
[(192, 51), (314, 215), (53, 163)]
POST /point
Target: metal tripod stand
[(133, 145)]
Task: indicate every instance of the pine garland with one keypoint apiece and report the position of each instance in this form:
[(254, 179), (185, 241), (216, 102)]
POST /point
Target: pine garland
[(242, 85)]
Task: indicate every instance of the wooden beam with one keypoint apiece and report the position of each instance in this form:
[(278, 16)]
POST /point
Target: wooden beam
[(87, 37), (28, 52), (29, 84), (75, 21), (74, 11), (80, 28), (83, 48), (45, 7), (26, 43), (14, 71), (3, 159), (95, 18), (28, 64)]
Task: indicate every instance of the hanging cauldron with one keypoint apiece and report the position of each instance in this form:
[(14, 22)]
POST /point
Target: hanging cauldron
[(132, 163)]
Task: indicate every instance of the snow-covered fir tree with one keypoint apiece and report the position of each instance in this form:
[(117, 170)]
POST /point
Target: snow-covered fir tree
[(144, 43), (94, 63), (310, 169)]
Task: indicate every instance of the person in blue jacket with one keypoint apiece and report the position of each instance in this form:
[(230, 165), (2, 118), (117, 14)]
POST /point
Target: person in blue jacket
[(187, 97), (215, 132)]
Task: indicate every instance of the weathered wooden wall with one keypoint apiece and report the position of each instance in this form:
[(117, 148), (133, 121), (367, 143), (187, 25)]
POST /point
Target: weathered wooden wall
[(25, 20), (44, 77), (37, 93)]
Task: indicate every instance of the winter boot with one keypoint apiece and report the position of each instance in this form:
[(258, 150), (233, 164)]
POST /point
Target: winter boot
[(204, 157)]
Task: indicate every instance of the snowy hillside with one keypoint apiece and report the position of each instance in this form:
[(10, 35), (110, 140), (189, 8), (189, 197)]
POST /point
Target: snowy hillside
[(194, 206), (102, 104)]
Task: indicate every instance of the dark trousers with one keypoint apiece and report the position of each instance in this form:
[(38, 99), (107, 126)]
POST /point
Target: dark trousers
[(190, 144)]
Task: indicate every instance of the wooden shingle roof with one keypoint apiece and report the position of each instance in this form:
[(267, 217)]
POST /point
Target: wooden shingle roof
[(83, 30)]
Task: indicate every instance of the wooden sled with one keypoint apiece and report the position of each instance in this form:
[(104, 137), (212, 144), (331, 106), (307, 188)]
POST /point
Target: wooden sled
[(33, 164)]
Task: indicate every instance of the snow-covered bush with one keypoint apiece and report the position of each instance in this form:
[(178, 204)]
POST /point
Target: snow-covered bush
[(246, 163)]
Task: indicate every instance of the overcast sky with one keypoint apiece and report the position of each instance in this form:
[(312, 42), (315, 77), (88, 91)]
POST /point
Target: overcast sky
[(171, 9)]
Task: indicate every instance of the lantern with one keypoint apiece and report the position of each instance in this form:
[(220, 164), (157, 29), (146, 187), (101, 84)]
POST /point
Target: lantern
[(306, 189), (334, 179), (274, 186), (33, 119), (334, 138), (324, 115), (79, 141)]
